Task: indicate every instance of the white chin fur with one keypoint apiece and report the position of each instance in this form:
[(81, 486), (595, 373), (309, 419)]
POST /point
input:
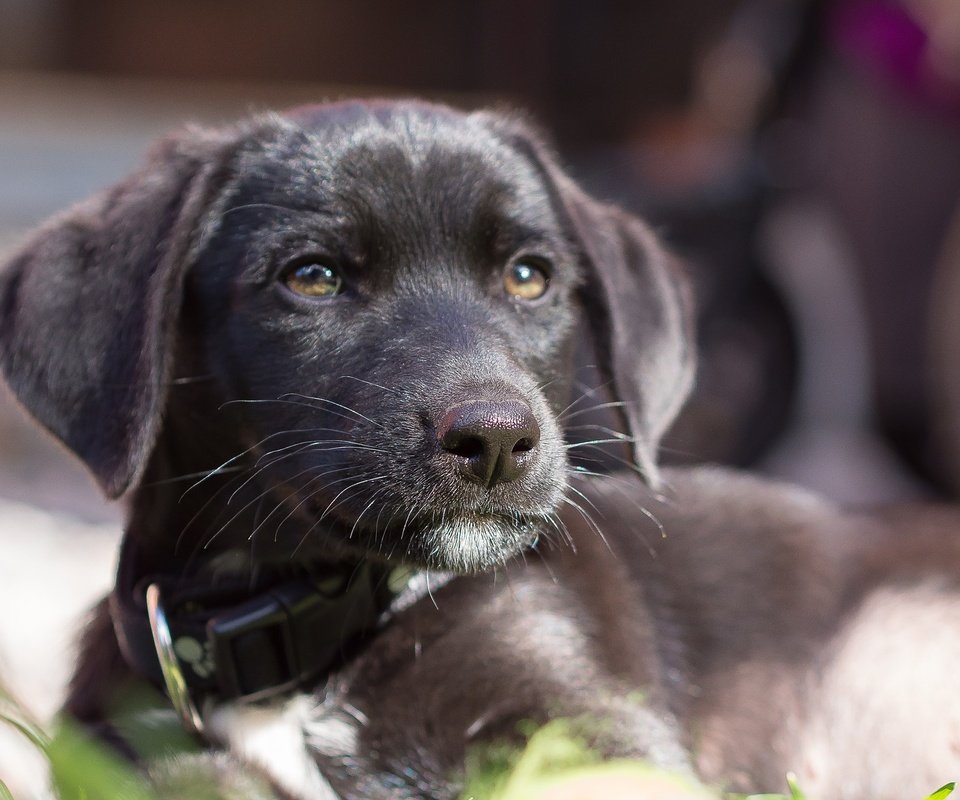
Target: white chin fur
[(469, 545)]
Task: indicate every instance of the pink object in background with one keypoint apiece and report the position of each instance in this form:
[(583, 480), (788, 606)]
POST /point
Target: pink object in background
[(897, 46)]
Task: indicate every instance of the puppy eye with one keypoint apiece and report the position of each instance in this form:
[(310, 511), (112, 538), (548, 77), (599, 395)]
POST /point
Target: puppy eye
[(312, 279), (526, 279)]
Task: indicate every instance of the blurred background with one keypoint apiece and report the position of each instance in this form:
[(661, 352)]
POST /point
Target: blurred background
[(802, 157)]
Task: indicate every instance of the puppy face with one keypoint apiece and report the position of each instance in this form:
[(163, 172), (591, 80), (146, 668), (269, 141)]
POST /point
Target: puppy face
[(393, 307), (369, 309)]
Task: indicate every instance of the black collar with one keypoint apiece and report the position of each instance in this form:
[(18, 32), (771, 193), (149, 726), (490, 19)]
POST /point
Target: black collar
[(237, 640)]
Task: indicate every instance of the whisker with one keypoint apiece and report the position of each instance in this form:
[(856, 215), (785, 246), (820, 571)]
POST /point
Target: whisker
[(246, 506), (586, 393), (630, 498), (574, 445), (283, 400), (611, 456), (654, 519), (313, 527), (313, 493), (542, 386), (333, 504), (590, 522), (366, 508), (241, 454), (189, 476), (578, 471), (586, 499), (342, 444), (406, 522), (430, 592), (301, 448), (598, 407), (617, 435), (333, 403), (259, 468), (554, 520), (204, 506), (676, 451), (313, 441), (282, 503), (209, 541), (369, 383)]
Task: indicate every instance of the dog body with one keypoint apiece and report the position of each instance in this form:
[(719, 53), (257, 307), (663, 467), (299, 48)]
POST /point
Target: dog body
[(704, 650), (319, 345)]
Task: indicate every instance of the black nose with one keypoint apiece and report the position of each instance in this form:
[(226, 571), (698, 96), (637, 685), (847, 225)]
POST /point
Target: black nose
[(491, 441)]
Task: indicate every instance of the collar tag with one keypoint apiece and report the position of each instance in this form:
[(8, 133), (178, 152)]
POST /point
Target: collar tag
[(173, 676)]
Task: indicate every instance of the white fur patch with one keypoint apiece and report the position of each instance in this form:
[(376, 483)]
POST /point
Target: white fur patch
[(885, 721), (333, 736), (273, 737)]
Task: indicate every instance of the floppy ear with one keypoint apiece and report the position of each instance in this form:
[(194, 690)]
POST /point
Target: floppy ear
[(636, 300), (88, 307), (637, 304)]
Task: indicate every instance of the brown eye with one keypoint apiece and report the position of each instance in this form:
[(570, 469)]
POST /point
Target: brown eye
[(313, 280), (526, 279)]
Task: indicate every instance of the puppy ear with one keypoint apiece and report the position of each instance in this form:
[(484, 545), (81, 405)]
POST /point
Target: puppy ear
[(89, 304), (637, 304), (635, 298)]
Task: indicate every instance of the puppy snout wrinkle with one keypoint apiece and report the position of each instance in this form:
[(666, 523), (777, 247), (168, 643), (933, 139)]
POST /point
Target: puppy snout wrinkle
[(490, 441)]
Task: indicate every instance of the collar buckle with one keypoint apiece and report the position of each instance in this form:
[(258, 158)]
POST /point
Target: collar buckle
[(255, 645)]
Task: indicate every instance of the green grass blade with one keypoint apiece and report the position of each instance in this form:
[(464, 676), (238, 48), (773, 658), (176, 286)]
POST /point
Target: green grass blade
[(82, 769), (30, 731), (944, 791), (795, 793)]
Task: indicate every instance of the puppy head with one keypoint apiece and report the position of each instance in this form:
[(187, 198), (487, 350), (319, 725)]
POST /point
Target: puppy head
[(378, 304)]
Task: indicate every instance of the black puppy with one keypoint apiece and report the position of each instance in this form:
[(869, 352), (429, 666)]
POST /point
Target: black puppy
[(328, 357)]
